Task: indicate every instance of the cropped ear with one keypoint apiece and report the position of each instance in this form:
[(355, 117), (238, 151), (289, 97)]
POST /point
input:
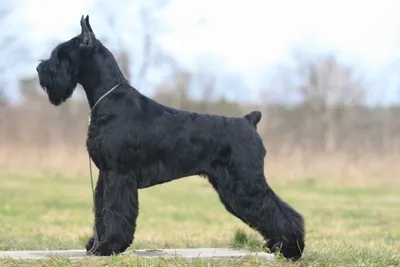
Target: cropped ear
[(86, 34), (88, 24)]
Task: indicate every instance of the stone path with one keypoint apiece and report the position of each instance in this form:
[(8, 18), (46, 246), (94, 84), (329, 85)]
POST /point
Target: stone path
[(188, 254)]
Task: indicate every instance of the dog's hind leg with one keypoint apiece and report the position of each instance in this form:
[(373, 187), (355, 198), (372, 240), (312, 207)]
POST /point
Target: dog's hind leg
[(246, 194), (120, 211), (227, 206)]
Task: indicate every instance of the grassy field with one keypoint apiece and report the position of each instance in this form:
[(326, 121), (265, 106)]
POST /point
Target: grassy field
[(346, 225)]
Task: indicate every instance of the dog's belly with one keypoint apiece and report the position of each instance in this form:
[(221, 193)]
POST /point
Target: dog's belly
[(161, 172)]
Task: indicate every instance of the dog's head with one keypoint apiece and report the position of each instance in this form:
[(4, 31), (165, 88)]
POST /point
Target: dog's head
[(60, 74)]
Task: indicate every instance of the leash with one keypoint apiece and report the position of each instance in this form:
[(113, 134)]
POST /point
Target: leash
[(95, 235)]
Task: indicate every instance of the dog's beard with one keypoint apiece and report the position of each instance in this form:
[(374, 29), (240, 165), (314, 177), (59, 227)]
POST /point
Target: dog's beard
[(59, 95), (58, 84)]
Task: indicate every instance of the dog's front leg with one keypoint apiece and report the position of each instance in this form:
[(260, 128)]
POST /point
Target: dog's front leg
[(119, 214), (98, 213)]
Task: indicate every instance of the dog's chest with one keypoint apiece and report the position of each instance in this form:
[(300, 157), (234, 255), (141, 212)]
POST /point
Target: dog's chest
[(97, 144), (108, 145)]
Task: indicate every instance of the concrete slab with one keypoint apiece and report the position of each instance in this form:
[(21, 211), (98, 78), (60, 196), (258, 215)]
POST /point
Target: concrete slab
[(188, 254)]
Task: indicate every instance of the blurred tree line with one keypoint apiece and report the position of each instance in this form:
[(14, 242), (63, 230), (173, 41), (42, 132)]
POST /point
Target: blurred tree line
[(330, 116)]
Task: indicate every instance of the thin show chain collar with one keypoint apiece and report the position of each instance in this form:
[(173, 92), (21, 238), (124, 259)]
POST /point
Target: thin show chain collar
[(103, 96)]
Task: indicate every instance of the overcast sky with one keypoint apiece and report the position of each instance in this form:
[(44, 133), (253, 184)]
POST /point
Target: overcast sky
[(247, 38)]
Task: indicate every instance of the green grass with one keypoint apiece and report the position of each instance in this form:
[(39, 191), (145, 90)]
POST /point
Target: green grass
[(345, 226)]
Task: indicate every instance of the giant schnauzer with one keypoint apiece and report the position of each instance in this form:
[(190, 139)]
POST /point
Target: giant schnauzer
[(136, 142)]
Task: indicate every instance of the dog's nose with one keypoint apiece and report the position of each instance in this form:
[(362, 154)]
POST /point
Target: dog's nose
[(37, 68)]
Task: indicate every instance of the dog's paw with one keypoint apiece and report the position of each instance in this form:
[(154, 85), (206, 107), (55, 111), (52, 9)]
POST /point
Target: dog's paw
[(104, 249), (89, 244), (289, 250), (98, 252)]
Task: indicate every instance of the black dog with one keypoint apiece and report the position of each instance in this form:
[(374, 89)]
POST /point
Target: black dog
[(136, 143)]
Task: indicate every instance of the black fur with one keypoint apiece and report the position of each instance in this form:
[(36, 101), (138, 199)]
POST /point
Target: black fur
[(136, 143)]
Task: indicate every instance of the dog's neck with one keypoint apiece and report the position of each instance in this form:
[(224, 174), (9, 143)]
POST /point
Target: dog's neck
[(100, 78)]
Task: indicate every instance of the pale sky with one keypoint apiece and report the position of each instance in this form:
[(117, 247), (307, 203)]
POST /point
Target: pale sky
[(248, 38)]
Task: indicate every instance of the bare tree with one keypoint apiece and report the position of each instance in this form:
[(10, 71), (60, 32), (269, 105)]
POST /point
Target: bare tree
[(118, 17), (174, 90), (206, 86), (13, 50), (327, 92), (327, 88)]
